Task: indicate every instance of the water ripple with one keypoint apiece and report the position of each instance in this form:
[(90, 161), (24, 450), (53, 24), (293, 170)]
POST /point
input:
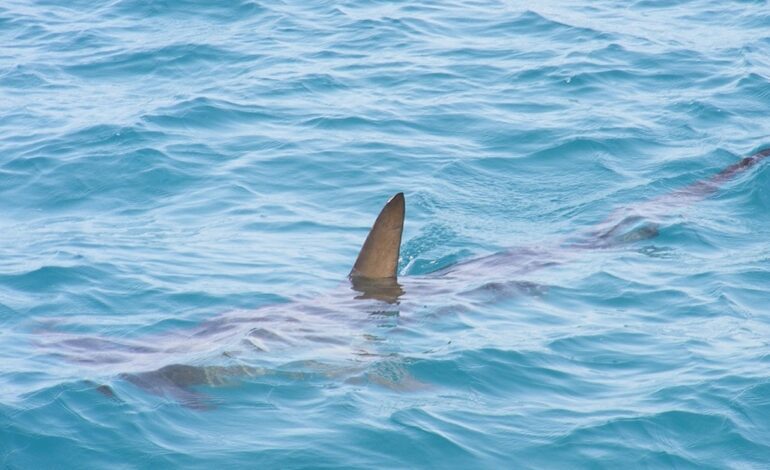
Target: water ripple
[(184, 185)]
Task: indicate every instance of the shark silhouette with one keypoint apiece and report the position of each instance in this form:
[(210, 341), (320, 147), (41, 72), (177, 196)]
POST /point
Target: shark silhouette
[(332, 322)]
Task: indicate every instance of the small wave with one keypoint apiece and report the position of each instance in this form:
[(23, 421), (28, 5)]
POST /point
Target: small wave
[(231, 11), (175, 60), (209, 113)]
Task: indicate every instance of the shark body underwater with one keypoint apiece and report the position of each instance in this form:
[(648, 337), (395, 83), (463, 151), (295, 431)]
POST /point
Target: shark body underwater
[(255, 343)]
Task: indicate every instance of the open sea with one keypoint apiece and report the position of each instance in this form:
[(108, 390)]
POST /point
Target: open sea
[(185, 184)]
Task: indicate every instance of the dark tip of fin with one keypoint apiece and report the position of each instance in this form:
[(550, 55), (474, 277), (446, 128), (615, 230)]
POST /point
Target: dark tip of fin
[(378, 258)]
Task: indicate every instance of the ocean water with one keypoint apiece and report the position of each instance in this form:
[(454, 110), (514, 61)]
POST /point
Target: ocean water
[(171, 169)]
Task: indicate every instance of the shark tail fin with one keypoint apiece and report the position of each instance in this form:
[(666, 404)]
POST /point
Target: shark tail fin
[(378, 258), (742, 165), (706, 187)]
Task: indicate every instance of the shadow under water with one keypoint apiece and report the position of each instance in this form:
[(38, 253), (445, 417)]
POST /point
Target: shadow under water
[(330, 336)]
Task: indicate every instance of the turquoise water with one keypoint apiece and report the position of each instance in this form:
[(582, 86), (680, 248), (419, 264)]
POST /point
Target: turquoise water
[(170, 167)]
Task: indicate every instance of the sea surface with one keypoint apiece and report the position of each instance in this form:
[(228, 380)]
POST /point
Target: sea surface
[(169, 168)]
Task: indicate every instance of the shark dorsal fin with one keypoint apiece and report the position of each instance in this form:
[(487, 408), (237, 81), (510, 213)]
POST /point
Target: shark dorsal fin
[(378, 258)]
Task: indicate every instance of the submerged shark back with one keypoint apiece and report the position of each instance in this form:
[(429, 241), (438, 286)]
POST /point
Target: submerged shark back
[(373, 276), (376, 267)]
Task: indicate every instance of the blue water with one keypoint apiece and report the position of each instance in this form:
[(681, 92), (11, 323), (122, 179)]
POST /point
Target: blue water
[(164, 164)]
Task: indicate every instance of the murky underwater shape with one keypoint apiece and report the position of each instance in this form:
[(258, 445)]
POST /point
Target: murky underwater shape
[(184, 187)]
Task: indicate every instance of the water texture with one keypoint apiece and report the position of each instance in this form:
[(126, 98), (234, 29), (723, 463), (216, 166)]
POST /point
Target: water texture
[(165, 165)]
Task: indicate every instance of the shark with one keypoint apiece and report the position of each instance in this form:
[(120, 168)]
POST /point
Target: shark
[(253, 343)]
